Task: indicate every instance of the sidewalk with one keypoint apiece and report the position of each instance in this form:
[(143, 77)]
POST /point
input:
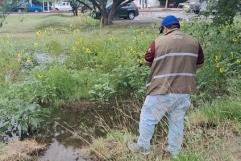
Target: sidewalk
[(159, 9)]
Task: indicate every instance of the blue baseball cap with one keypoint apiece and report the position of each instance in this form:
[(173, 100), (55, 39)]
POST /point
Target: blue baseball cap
[(169, 21)]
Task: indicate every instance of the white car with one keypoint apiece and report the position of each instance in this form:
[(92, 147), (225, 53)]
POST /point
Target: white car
[(190, 6), (63, 6)]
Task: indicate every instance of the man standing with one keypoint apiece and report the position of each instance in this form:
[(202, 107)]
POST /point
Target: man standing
[(173, 58)]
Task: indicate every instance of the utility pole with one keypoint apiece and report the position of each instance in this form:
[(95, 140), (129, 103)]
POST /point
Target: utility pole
[(166, 6)]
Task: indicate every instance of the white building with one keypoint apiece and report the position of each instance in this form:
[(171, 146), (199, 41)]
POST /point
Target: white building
[(147, 3)]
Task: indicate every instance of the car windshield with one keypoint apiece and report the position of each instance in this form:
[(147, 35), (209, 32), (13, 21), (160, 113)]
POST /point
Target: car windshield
[(110, 2)]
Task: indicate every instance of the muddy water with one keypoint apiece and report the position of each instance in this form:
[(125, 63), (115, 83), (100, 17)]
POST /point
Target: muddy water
[(57, 151), (69, 130)]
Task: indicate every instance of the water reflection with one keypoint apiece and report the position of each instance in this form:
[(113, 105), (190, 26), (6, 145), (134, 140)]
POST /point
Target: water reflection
[(60, 152), (69, 130)]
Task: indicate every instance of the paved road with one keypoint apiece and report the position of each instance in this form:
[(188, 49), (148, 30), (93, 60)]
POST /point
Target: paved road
[(145, 16), (154, 17)]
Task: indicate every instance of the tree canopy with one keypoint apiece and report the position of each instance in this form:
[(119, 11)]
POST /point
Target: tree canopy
[(100, 6), (225, 11)]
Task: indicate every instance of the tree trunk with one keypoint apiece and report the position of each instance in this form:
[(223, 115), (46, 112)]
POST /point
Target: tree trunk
[(112, 14), (166, 6), (75, 11), (104, 14), (104, 18), (116, 4)]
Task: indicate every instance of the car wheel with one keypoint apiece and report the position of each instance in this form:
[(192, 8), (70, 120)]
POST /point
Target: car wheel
[(131, 15), (196, 11)]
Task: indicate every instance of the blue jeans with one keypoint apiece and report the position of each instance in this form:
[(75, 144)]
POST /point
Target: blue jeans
[(174, 106)]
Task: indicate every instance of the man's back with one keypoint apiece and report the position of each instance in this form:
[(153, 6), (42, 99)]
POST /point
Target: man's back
[(173, 57), (174, 66)]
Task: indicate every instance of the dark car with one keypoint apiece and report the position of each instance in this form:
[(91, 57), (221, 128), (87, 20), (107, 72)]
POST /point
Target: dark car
[(125, 10), (17, 7)]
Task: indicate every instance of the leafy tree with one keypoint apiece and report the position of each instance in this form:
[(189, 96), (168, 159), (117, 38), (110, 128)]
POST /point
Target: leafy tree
[(76, 4), (3, 11), (101, 6), (224, 10)]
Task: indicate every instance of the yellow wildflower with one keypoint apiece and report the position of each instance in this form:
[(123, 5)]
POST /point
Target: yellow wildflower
[(238, 61), (29, 60), (40, 76), (87, 50), (131, 51), (73, 48), (235, 40), (139, 61), (216, 58), (78, 42), (19, 57), (221, 70), (38, 34)]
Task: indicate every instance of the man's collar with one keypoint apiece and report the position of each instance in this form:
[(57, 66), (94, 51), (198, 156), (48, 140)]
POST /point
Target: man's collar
[(175, 29)]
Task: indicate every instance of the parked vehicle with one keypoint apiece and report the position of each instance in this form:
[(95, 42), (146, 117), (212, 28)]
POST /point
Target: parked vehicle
[(63, 6), (17, 7), (125, 10), (34, 8), (191, 6), (173, 5)]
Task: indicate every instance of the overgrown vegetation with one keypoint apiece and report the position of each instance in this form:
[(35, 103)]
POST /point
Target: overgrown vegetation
[(224, 11), (57, 58), (210, 133)]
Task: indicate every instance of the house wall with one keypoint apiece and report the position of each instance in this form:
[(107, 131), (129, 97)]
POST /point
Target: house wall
[(147, 3), (153, 3)]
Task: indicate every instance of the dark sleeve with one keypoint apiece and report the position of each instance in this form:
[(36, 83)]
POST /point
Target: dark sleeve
[(150, 53), (200, 58)]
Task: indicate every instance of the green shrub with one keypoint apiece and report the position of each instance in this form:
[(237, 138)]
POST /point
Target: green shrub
[(56, 83), (103, 89), (9, 67), (225, 11), (105, 63), (222, 57), (131, 78), (54, 47), (18, 116), (226, 109)]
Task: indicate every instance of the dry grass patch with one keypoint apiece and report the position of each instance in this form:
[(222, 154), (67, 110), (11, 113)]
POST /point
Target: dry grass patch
[(204, 141), (26, 150)]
